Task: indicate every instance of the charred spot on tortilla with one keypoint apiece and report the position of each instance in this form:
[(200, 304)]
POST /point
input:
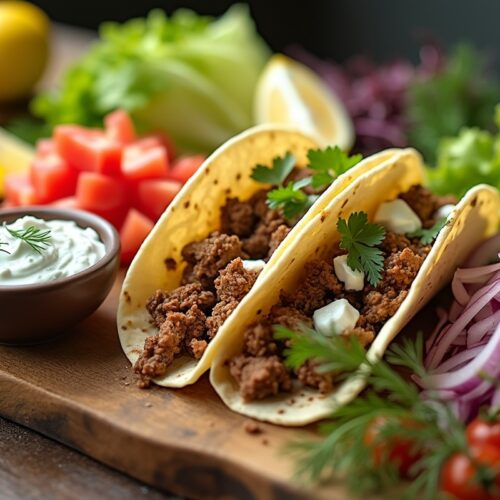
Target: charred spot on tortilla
[(238, 176), (170, 264), (186, 204), (344, 203), (215, 182), (124, 327), (473, 202)]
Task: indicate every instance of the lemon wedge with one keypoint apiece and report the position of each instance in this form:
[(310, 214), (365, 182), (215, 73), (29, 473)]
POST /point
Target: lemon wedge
[(15, 156), (290, 93)]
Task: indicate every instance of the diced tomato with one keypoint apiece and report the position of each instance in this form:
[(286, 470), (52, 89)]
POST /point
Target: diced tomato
[(52, 178), (68, 202), (88, 149), (184, 167), (133, 232), (144, 160), (164, 140), (19, 191), (97, 192), (154, 196), (45, 147), (120, 127)]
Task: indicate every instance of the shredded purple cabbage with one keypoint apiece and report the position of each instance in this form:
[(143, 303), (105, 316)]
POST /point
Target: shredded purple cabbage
[(374, 94)]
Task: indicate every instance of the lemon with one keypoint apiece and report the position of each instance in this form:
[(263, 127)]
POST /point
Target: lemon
[(290, 93), (15, 156), (24, 48)]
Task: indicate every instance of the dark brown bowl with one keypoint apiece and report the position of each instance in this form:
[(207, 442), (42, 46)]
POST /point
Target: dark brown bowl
[(30, 314)]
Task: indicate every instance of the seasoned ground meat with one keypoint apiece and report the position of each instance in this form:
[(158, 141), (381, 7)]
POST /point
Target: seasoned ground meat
[(379, 307), (209, 256), (257, 246), (260, 377), (364, 335), (277, 237), (238, 217), (288, 316), (179, 300), (319, 284), (400, 269), (233, 283), (259, 340), (308, 375), (160, 350)]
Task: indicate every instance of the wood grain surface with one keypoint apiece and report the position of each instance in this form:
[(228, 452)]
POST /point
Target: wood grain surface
[(33, 467), (79, 390)]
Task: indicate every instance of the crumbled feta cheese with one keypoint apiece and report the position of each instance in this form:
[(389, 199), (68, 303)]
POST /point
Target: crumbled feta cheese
[(335, 318), (353, 280), (254, 265), (398, 217), (444, 211)]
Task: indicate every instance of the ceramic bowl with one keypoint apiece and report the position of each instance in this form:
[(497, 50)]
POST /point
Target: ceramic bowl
[(31, 314)]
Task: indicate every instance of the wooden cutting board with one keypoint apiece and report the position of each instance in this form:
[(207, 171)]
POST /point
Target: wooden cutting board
[(80, 391)]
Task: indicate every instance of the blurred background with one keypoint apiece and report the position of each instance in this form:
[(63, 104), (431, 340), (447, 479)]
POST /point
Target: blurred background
[(329, 28)]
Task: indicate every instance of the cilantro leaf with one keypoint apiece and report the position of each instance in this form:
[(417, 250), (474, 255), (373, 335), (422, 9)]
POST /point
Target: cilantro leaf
[(359, 238), (328, 164), (427, 236), (280, 170), (290, 198)]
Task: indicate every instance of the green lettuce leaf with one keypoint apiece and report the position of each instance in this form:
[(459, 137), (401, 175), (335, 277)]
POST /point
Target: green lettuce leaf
[(188, 75)]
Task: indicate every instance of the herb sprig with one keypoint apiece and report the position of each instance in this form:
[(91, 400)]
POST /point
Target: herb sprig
[(427, 236), (325, 166), (37, 239), (343, 452), (360, 238)]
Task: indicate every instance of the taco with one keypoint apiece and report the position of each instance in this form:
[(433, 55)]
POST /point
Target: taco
[(215, 242), (362, 266)]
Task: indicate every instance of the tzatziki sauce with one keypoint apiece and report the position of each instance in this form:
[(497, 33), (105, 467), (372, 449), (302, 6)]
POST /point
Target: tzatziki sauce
[(67, 250)]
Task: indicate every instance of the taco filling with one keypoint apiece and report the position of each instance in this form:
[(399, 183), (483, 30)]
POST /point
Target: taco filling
[(355, 291), (222, 268)]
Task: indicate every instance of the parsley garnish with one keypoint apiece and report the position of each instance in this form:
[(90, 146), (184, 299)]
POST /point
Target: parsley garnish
[(328, 164), (282, 166), (359, 238), (343, 452), (427, 236), (37, 239)]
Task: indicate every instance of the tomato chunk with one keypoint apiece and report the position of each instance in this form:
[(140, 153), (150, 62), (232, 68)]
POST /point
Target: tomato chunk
[(45, 147), (144, 160), (88, 149), (133, 232), (97, 192), (19, 190), (164, 140), (154, 196), (183, 168), (52, 178), (120, 127)]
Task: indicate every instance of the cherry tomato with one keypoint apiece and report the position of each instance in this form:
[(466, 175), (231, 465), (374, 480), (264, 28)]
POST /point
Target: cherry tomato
[(474, 477), (398, 450), (480, 430)]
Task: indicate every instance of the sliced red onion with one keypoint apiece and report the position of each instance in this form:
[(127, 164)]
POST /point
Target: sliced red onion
[(463, 352)]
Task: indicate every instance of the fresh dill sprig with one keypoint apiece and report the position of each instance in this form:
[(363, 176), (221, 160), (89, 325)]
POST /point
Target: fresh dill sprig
[(37, 239), (343, 452)]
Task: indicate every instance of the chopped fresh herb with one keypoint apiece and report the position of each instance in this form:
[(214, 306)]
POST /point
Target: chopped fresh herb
[(427, 236), (343, 451), (290, 198), (360, 238), (328, 164), (280, 170), (37, 239)]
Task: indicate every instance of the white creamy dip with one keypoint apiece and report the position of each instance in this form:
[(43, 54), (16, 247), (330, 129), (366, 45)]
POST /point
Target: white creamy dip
[(69, 250)]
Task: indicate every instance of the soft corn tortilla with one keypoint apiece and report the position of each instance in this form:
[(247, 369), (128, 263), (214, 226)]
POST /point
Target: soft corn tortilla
[(474, 218), (194, 214)]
